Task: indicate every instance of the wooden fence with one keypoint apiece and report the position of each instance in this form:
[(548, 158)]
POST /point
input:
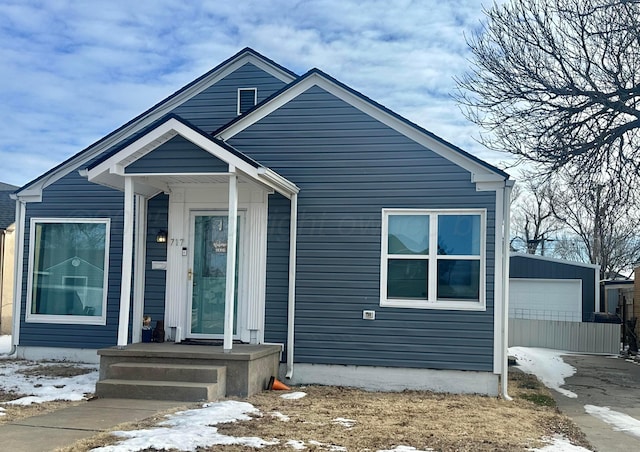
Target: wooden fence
[(570, 336)]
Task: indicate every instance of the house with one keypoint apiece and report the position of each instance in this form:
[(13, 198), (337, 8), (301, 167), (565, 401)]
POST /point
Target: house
[(260, 208), (547, 288), (7, 228)]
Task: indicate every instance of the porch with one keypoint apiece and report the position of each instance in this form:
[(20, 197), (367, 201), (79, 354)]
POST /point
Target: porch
[(174, 371)]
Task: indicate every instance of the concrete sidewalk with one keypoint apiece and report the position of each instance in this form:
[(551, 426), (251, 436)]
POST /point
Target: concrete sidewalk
[(64, 427)]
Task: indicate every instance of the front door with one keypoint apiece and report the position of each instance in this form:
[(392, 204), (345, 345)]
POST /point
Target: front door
[(208, 274)]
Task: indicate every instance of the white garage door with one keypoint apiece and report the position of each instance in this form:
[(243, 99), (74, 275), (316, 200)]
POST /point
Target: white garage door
[(545, 299)]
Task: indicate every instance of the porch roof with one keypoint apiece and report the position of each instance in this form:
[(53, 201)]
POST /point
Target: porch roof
[(110, 169)]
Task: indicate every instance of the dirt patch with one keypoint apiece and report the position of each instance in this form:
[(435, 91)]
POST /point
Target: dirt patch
[(55, 370), (16, 412), (358, 420)]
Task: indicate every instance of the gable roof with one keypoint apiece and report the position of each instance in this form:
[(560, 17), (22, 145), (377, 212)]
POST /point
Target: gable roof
[(34, 188), (7, 205), (481, 170)]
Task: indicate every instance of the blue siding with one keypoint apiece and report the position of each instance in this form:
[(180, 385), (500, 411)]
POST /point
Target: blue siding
[(155, 280), (74, 197), (526, 267), (178, 155), (218, 104), (349, 167)]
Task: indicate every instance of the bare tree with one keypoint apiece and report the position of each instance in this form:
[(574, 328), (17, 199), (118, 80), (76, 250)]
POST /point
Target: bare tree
[(533, 222), (602, 228), (558, 82)]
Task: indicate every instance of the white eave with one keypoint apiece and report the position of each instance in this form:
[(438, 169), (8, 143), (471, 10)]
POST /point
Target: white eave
[(112, 171)]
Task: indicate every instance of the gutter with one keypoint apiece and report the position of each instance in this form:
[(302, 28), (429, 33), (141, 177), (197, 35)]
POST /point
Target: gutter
[(293, 236), (17, 273)]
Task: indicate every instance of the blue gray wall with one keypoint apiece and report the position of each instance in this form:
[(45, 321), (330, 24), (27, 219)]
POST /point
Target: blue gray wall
[(155, 280), (74, 197), (349, 167), (177, 155), (218, 104), (527, 267)]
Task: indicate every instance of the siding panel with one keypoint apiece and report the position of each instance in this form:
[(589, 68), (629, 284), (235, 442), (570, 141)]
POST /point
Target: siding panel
[(178, 155), (349, 167)]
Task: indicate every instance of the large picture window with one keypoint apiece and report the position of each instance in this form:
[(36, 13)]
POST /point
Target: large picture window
[(68, 266), (433, 259)]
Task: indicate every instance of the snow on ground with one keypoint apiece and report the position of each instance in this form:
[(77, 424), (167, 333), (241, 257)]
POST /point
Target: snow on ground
[(41, 388), (293, 395), (560, 444), (5, 345), (547, 365), (405, 449), (619, 421), (190, 429)]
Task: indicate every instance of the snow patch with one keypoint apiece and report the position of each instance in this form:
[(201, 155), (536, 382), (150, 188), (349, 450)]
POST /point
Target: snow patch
[(278, 415), (2, 411), (191, 429), (295, 444), (560, 444), (293, 395), (347, 423), (619, 421), (405, 449), (41, 388), (547, 365)]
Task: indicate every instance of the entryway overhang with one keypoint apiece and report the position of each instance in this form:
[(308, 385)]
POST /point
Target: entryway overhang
[(130, 168)]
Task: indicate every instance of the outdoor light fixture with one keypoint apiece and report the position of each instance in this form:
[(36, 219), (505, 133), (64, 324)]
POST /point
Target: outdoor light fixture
[(161, 237)]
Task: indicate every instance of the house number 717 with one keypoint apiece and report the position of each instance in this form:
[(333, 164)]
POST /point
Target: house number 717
[(177, 242)]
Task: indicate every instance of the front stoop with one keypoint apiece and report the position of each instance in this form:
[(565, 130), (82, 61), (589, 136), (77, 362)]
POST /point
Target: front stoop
[(163, 381), (168, 371)]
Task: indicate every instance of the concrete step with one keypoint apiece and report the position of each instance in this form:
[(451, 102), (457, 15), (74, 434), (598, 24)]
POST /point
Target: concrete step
[(158, 390), (194, 373)]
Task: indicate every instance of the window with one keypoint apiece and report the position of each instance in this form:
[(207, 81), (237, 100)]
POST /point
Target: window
[(247, 99), (68, 267), (433, 259)]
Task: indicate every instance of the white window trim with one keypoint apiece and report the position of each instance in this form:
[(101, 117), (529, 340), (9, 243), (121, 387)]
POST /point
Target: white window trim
[(67, 319), (255, 96), (432, 302)]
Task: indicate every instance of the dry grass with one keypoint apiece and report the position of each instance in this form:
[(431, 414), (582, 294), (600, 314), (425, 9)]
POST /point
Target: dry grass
[(443, 422)]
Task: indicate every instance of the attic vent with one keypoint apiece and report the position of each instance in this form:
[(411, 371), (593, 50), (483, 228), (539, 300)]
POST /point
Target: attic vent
[(247, 98)]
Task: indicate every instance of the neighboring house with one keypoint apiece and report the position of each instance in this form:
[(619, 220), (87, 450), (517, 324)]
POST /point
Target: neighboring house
[(7, 239), (545, 288), (260, 206)]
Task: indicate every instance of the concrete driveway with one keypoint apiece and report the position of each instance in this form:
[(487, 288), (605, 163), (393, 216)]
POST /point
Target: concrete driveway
[(603, 382)]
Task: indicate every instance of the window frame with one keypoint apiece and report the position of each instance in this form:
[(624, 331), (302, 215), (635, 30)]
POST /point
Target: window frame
[(432, 258), (67, 319), (255, 98)]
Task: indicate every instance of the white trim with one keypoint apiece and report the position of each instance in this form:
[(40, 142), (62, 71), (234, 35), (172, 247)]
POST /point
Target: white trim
[(127, 258), (139, 264), (104, 172), (67, 319), (18, 270), (387, 379), (291, 302), (232, 240), (255, 97), (504, 257), (498, 295), (431, 302), (34, 192), (477, 170)]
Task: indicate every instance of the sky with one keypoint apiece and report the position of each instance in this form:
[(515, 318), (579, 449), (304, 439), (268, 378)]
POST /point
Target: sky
[(73, 71)]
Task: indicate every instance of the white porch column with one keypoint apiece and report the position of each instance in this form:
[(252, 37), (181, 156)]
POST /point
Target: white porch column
[(127, 257), (232, 240), (139, 267)]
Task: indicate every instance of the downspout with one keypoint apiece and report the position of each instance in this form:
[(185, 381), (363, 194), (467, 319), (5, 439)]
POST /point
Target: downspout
[(293, 236), (506, 231), (17, 274)]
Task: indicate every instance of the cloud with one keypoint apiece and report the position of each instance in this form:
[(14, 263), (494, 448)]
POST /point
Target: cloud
[(74, 71)]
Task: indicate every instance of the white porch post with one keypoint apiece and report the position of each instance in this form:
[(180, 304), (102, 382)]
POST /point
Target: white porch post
[(139, 267), (127, 257), (231, 260)]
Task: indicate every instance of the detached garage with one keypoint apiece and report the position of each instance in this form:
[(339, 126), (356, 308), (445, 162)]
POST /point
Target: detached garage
[(543, 288)]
